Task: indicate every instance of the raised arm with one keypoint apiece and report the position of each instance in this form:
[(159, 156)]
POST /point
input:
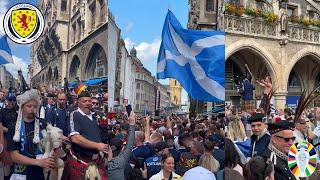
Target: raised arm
[(247, 67), (260, 83), (147, 130), (122, 159)]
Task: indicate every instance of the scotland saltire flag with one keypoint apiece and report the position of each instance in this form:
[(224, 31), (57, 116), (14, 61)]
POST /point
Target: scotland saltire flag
[(5, 51), (195, 58)]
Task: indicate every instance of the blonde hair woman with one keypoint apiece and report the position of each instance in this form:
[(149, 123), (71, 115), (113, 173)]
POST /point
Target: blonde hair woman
[(209, 162), (206, 169), (236, 131), (237, 134)]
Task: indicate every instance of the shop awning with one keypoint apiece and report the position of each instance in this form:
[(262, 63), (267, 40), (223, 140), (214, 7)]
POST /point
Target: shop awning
[(96, 81), (90, 82)]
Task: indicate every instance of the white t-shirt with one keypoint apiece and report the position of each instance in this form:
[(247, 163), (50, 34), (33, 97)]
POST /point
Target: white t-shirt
[(199, 173), (298, 135)]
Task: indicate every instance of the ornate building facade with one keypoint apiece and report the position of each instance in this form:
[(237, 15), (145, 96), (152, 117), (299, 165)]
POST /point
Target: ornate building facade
[(163, 100), (127, 76), (145, 87), (80, 40), (274, 37), (6, 78), (175, 92)]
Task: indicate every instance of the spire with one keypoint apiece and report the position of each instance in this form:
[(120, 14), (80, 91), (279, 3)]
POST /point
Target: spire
[(133, 52)]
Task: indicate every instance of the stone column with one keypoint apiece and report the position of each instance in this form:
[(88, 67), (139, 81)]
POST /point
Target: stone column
[(64, 67), (276, 8), (209, 106), (280, 99)]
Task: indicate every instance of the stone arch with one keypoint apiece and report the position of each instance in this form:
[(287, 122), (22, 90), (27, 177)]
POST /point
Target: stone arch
[(96, 62), (297, 57), (255, 47), (75, 68)]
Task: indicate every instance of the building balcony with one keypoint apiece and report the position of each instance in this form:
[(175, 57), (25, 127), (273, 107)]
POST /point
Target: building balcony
[(258, 27), (302, 33), (250, 26)]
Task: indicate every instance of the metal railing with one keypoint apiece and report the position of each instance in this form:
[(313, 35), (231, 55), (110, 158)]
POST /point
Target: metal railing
[(258, 27)]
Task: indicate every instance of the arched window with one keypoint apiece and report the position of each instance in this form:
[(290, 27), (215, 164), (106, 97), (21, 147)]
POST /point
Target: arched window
[(210, 5), (293, 80), (74, 68), (96, 64), (56, 77), (49, 76)]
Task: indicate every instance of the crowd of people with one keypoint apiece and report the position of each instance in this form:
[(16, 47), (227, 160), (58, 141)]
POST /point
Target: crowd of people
[(258, 140), (240, 143), (111, 145)]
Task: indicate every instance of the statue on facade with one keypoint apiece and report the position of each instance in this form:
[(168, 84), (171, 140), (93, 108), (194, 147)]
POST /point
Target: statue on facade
[(23, 86), (284, 22), (194, 13)]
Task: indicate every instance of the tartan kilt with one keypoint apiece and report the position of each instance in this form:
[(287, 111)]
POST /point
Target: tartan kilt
[(249, 105), (5, 155), (75, 170)]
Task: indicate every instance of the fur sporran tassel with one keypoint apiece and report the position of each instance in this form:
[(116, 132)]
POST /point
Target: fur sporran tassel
[(16, 136)]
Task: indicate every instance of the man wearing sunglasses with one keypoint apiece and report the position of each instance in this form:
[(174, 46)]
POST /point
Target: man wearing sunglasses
[(95, 103), (280, 142)]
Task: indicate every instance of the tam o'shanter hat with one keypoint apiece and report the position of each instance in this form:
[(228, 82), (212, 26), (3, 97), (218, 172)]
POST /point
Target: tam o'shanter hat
[(84, 93), (280, 126), (21, 100), (258, 117)]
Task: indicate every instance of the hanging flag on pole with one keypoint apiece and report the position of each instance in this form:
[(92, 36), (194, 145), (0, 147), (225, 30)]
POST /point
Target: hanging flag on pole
[(5, 51), (195, 58)]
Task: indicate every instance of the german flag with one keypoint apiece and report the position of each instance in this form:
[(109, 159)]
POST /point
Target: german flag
[(81, 87)]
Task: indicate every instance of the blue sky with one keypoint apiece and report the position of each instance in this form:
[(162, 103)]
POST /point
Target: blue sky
[(140, 22)]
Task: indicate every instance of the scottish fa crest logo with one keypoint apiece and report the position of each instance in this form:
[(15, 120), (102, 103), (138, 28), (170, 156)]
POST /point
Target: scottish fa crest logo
[(23, 23)]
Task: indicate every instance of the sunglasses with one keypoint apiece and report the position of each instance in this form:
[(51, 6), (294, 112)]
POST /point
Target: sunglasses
[(95, 103), (286, 139)]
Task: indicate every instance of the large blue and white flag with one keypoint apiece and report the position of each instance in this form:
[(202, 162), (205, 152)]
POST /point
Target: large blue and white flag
[(5, 51), (195, 58)]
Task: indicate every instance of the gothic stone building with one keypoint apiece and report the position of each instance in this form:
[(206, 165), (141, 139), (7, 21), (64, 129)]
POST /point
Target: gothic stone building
[(276, 38), (80, 40)]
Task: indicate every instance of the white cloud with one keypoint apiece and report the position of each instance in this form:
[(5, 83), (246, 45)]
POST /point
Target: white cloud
[(148, 51), (3, 10), (18, 64), (129, 44), (129, 26), (145, 51)]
